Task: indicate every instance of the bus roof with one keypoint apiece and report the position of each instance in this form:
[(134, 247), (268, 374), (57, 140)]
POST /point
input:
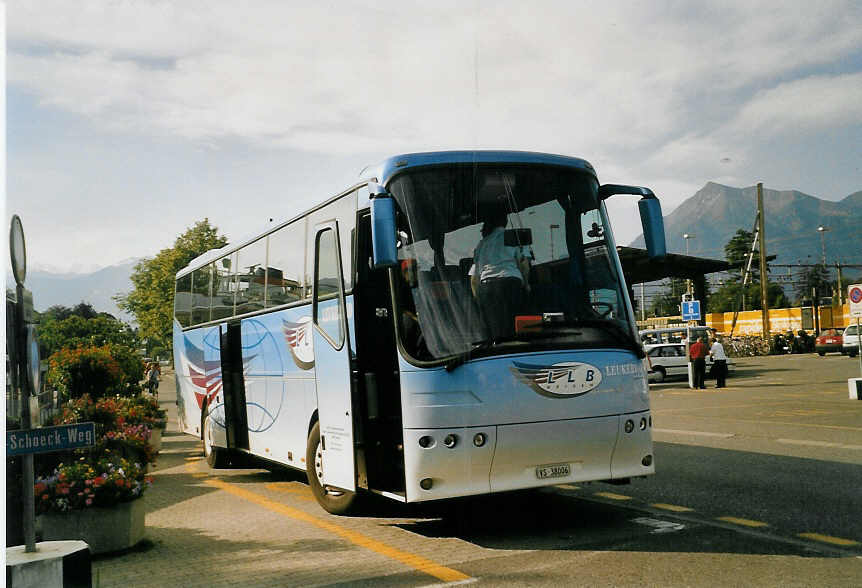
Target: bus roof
[(392, 166), (396, 164)]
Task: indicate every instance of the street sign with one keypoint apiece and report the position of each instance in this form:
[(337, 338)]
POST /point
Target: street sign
[(691, 310), (49, 439), (854, 296)]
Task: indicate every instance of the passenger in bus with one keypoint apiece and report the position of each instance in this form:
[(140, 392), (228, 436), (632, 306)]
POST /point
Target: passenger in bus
[(498, 277)]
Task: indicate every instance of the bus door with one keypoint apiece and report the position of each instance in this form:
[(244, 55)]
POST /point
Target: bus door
[(233, 386), (332, 361)]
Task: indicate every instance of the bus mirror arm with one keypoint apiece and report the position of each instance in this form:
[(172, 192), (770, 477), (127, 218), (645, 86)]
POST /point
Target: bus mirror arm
[(650, 212), (383, 239)]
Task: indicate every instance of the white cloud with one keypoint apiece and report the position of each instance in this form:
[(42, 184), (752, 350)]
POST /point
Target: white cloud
[(818, 102)]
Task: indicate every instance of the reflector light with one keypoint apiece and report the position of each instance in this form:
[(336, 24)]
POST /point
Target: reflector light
[(479, 439), (425, 483), (642, 424), (450, 441), (630, 426), (425, 441)]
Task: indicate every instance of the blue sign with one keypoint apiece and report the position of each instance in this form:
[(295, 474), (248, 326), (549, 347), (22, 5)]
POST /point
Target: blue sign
[(691, 310), (50, 439)]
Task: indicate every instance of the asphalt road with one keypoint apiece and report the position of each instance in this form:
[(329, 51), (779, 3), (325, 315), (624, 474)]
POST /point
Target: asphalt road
[(757, 484)]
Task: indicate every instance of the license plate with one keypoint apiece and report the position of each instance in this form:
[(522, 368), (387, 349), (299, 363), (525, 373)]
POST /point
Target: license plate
[(557, 470)]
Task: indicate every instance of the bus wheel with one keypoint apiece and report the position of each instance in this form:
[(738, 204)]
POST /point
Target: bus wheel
[(333, 501), (216, 456)]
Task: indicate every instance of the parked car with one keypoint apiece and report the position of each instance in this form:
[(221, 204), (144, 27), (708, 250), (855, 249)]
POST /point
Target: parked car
[(827, 341), (850, 346), (669, 360)]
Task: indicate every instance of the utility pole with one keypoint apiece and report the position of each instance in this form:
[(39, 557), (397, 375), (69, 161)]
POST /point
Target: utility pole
[(840, 286), (764, 300)]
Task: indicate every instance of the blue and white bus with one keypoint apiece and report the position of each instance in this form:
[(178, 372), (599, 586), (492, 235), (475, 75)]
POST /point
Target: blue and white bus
[(350, 342)]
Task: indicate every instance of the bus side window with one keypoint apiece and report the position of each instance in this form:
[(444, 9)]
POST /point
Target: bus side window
[(183, 300), (286, 264)]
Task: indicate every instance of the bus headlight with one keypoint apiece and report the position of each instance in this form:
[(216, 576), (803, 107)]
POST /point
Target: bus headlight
[(425, 441), (451, 440), (479, 439), (643, 424), (630, 426)]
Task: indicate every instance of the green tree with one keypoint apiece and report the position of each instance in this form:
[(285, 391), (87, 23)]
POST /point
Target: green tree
[(667, 302), (737, 251), (151, 300), (76, 331), (814, 278)]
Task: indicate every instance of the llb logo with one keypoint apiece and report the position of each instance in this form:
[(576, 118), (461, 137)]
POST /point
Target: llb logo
[(560, 380)]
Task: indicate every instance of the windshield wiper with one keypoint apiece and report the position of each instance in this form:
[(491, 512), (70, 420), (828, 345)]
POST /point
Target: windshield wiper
[(466, 355)]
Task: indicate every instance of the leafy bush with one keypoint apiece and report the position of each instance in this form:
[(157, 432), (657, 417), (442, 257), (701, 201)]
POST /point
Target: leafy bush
[(95, 371), (85, 370)]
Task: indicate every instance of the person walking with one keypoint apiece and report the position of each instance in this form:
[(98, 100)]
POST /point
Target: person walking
[(697, 355), (719, 359)]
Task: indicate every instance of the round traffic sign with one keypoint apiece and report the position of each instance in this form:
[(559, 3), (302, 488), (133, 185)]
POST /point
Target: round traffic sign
[(856, 295)]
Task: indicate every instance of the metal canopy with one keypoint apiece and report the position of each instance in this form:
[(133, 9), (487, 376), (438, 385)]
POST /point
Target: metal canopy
[(638, 267)]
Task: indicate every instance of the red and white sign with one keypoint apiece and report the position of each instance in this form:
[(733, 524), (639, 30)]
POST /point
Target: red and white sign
[(854, 295)]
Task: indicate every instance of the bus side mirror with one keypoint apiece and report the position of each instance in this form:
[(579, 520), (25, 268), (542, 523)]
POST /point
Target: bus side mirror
[(385, 253), (653, 226), (651, 218)]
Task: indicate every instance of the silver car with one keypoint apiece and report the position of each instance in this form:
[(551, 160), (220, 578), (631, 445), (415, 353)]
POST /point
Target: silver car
[(850, 346), (669, 360)]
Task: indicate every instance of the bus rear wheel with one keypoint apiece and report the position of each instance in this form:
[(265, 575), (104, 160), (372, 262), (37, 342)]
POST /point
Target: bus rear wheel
[(336, 502)]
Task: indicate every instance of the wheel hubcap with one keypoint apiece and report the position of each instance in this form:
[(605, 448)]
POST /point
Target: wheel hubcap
[(318, 471)]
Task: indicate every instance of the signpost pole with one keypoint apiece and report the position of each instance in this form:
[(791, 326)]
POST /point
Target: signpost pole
[(28, 478), (854, 298)]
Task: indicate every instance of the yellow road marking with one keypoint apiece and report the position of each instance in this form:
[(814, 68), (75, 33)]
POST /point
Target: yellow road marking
[(192, 458), (613, 496), (412, 560), (744, 522), (568, 487), (828, 539), (301, 493), (672, 507)]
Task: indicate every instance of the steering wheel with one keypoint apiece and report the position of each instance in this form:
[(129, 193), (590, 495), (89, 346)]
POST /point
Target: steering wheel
[(609, 308)]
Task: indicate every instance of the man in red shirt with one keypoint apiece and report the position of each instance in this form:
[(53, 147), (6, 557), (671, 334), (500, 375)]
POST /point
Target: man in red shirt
[(697, 355)]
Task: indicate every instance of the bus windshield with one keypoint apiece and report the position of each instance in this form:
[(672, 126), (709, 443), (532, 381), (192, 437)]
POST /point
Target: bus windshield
[(501, 258)]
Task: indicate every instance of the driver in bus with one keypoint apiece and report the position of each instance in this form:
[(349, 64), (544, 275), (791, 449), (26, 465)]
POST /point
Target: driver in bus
[(499, 277)]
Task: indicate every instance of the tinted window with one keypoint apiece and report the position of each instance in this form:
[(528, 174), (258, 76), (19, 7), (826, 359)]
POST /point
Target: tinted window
[(343, 211), (286, 265), (327, 286), (201, 282), (224, 286), (251, 277), (183, 300)]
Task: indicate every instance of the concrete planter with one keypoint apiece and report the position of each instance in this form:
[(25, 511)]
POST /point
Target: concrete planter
[(156, 438), (104, 529)]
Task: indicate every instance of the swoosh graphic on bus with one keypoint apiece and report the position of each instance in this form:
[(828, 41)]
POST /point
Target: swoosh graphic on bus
[(300, 342), (560, 380), (206, 374)]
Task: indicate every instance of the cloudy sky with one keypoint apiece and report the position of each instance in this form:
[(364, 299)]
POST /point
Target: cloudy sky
[(127, 121)]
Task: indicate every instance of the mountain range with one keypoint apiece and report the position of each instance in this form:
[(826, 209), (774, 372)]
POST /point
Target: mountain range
[(96, 288), (715, 212)]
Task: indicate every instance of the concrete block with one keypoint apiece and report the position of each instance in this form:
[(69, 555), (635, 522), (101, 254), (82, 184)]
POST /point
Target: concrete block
[(54, 564), (104, 529)]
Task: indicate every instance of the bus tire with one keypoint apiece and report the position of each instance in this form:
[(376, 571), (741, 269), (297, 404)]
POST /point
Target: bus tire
[(333, 502), (216, 457)]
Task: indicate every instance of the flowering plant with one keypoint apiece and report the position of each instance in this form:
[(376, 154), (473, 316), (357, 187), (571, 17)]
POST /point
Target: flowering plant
[(106, 481), (144, 410), (132, 441)]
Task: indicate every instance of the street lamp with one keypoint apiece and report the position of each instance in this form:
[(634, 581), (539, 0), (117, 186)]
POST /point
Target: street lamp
[(821, 229), (687, 236)]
